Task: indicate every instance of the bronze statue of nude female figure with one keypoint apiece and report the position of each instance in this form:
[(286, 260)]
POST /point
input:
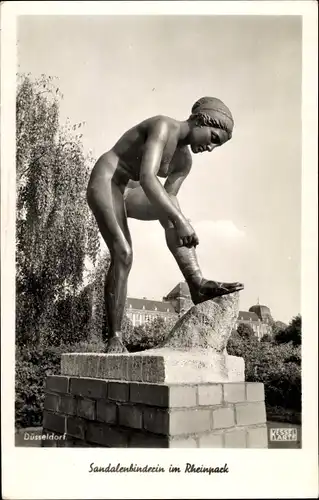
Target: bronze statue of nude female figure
[(124, 183)]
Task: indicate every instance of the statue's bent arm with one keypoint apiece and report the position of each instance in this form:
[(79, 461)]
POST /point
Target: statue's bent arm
[(176, 178), (150, 165)]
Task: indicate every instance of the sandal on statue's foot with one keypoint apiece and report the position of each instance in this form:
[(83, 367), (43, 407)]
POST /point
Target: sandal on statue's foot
[(115, 345), (211, 289)]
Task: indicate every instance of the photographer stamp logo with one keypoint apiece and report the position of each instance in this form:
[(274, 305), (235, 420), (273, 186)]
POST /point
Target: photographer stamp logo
[(283, 434)]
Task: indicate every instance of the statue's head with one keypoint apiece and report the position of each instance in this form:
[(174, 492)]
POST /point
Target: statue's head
[(211, 124)]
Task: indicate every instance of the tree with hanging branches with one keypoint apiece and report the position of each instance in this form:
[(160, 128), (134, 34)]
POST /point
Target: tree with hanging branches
[(55, 231)]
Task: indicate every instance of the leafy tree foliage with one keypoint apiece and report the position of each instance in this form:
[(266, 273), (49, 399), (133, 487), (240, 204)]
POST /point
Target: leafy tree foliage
[(266, 338), (292, 333), (149, 335), (275, 365), (33, 365), (277, 326), (245, 330), (55, 231)]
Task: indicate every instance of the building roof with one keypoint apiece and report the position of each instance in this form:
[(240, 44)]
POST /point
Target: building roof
[(180, 290), (149, 305), (247, 316), (262, 312)]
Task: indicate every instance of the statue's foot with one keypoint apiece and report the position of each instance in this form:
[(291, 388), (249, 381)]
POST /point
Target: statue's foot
[(115, 345), (211, 289)]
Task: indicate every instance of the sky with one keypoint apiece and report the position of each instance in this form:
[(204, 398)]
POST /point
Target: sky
[(244, 199)]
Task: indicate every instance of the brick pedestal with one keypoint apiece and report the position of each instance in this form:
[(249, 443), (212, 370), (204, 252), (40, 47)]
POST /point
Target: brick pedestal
[(100, 412)]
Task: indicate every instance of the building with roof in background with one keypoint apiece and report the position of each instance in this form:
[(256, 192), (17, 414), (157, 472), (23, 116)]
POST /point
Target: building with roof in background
[(259, 318), (178, 301), (141, 311)]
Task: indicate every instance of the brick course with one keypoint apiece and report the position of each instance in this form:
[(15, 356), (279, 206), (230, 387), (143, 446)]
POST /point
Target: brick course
[(86, 409), (156, 420), (234, 393), (255, 392), (223, 418), (68, 404), (57, 383), (53, 422), (87, 387), (182, 396), (51, 402), (149, 394), (235, 438), (212, 440), (183, 443), (257, 437), (106, 412), (130, 416), (106, 435), (76, 427), (189, 421), (250, 413), (118, 391), (210, 394), (147, 440)]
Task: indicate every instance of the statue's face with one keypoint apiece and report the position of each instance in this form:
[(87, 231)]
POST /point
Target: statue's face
[(206, 138)]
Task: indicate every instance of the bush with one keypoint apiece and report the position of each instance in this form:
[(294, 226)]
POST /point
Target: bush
[(245, 330), (147, 336), (277, 366), (266, 338), (290, 334), (33, 365), (280, 414)]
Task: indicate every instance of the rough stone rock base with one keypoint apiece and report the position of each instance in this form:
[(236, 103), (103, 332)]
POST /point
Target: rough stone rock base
[(97, 412), (160, 366)]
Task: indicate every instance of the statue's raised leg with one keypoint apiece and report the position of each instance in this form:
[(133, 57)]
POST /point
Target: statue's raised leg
[(211, 289), (201, 289)]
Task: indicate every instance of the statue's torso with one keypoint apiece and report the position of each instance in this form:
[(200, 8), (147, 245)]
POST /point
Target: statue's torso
[(128, 153)]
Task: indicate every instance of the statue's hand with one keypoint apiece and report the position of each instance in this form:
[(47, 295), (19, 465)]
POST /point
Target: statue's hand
[(186, 235)]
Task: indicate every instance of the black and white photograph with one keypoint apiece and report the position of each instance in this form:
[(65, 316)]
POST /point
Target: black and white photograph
[(157, 254)]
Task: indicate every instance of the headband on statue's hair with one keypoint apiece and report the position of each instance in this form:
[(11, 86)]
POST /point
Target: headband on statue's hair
[(216, 110)]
